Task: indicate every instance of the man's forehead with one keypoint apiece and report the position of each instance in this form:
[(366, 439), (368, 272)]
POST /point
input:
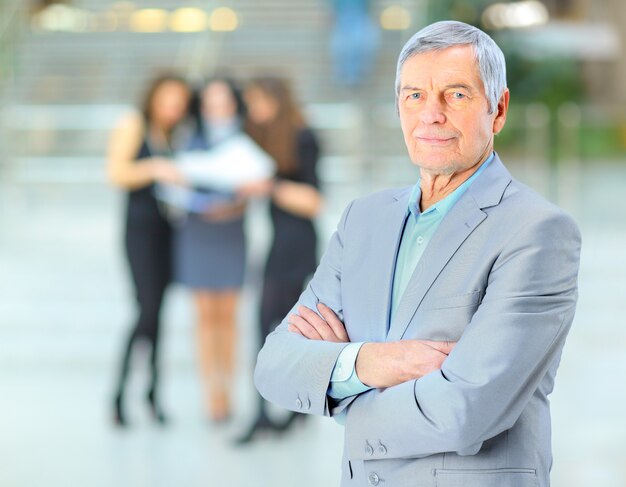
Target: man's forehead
[(455, 64), (461, 56)]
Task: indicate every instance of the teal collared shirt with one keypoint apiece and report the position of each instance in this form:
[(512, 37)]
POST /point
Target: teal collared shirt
[(419, 229)]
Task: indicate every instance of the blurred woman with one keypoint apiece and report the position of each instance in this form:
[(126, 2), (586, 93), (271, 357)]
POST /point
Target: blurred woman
[(278, 126), (139, 156), (210, 253)]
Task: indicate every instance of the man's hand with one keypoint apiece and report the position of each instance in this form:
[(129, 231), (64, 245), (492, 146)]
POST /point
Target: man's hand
[(387, 364), (378, 365), (309, 324)]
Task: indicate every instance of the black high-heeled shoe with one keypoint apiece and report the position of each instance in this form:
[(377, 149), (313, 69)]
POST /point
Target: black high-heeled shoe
[(119, 418), (260, 424), (155, 410), (290, 421)]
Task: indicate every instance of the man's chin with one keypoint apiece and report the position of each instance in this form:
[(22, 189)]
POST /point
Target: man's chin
[(434, 165)]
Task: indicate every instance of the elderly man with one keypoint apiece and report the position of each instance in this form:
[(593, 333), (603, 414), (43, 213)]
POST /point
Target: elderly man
[(434, 324)]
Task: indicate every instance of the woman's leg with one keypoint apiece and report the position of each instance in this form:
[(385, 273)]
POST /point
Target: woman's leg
[(208, 343), (277, 302), (119, 415), (227, 302), (148, 259), (277, 298), (153, 293), (217, 330)]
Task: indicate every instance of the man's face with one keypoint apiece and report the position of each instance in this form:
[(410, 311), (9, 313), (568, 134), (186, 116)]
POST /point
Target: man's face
[(444, 112)]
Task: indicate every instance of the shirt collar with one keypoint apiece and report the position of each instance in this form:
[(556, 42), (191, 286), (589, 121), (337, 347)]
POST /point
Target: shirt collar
[(443, 207)]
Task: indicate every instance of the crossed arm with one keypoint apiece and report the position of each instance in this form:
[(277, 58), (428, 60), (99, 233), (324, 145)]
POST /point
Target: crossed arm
[(378, 365)]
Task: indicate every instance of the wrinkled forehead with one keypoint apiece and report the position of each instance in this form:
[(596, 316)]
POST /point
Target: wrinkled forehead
[(454, 63)]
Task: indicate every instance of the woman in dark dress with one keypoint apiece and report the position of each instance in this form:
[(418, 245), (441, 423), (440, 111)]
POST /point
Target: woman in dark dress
[(139, 156), (277, 125)]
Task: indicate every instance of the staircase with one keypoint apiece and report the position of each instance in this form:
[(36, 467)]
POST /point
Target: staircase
[(70, 87)]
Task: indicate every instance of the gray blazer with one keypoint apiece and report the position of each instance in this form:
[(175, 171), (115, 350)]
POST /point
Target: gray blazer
[(500, 277)]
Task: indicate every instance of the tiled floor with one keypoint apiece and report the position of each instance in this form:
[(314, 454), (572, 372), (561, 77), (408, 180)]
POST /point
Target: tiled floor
[(64, 307)]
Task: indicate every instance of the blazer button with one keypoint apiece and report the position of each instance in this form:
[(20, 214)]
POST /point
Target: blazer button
[(368, 449), (373, 479), (299, 403), (382, 449)]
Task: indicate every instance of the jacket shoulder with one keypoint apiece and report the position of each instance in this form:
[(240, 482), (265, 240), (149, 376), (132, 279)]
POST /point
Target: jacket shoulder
[(525, 206)]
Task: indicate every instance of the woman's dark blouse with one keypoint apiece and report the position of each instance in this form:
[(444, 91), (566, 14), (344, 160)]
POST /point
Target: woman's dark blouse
[(293, 255), (142, 205)]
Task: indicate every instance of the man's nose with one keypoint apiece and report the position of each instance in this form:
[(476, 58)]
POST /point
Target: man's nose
[(433, 111)]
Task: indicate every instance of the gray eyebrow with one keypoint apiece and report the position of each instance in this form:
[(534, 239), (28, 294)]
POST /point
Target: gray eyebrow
[(454, 85), (460, 85)]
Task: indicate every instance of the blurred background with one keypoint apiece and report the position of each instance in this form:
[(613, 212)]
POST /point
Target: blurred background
[(68, 70)]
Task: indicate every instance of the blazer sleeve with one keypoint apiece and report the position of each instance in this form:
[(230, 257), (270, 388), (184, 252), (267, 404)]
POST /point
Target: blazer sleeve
[(514, 339), (292, 371)]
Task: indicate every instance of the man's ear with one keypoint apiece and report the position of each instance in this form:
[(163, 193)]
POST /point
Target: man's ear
[(501, 111)]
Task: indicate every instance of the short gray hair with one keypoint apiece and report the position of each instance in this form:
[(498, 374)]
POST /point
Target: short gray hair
[(442, 35)]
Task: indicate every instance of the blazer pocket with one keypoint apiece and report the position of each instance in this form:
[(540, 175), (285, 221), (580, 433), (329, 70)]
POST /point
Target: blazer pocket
[(458, 301), (500, 477)]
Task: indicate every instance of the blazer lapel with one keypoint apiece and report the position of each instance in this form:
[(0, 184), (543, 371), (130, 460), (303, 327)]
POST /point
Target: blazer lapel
[(389, 233), (457, 225)]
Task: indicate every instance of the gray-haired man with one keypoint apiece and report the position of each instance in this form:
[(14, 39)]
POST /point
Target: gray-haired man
[(435, 321)]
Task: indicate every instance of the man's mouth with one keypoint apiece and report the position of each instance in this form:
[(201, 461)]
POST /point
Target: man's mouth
[(434, 140)]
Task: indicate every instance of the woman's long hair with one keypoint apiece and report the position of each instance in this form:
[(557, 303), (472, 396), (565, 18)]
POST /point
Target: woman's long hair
[(153, 87), (279, 136), (195, 105)]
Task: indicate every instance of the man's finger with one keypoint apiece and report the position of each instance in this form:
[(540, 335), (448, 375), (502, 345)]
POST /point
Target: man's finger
[(335, 323), (306, 329), (294, 329), (322, 327)]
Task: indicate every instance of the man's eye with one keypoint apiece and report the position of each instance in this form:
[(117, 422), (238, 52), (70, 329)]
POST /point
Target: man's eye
[(414, 96), (458, 96)]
